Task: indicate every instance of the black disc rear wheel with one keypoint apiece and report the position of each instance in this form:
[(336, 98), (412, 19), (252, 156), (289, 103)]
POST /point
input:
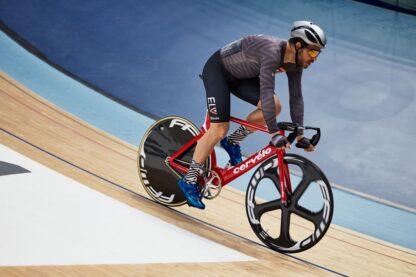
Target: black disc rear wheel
[(161, 140)]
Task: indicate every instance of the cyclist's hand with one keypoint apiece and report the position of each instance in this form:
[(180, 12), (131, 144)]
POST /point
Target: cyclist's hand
[(280, 141), (305, 144)]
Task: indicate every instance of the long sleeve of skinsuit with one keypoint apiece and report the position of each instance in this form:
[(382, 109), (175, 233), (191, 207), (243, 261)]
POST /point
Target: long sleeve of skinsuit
[(295, 96), (268, 67)]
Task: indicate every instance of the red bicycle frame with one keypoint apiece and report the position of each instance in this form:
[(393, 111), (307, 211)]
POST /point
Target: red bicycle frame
[(229, 174)]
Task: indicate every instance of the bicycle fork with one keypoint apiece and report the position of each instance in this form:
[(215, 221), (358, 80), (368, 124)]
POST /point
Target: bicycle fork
[(284, 178)]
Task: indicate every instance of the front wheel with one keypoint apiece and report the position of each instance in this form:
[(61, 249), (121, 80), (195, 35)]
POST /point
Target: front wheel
[(303, 221)]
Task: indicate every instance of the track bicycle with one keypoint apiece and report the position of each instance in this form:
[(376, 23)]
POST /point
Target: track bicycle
[(289, 202)]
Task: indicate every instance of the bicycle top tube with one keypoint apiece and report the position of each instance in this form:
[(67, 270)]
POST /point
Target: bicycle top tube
[(207, 124), (249, 124)]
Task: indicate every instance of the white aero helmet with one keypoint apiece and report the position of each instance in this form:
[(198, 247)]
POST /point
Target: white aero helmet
[(309, 32)]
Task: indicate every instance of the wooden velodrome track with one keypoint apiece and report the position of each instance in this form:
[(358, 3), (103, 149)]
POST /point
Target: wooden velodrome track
[(43, 132)]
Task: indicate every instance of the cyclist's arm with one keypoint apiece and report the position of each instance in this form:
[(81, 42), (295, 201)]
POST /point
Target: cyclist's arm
[(295, 96), (267, 83)]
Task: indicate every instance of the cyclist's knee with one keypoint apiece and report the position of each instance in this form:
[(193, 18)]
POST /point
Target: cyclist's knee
[(219, 130)]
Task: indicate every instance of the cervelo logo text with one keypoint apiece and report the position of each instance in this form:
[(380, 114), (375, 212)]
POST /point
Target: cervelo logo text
[(260, 155)]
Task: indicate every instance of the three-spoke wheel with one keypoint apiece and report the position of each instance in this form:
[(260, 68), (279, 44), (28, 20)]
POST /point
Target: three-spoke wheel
[(303, 220)]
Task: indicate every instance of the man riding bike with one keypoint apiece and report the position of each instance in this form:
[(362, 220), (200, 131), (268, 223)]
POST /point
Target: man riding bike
[(247, 68)]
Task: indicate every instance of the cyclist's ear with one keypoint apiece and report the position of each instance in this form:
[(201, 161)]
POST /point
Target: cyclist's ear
[(298, 45)]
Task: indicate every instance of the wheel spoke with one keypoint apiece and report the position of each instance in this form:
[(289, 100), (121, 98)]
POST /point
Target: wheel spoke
[(314, 217), (284, 239), (308, 176), (267, 207), (300, 189), (285, 224), (272, 175)]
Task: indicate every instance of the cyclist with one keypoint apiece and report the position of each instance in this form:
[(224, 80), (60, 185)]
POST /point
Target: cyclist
[(247, 68)]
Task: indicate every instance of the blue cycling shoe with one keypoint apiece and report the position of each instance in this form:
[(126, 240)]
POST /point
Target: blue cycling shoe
[(233, 150), (192, 194)]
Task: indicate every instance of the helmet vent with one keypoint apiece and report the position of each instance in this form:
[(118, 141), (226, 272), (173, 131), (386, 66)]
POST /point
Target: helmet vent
[(310, 36)]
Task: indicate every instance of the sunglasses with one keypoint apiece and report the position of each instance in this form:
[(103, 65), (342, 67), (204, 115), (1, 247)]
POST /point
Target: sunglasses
[(313, 53)]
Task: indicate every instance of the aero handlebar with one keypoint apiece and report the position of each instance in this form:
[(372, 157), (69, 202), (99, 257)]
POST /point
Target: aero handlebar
[(294, 128)]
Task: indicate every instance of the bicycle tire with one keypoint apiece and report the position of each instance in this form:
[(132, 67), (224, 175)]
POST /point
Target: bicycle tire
[(321, 220), (161, 140)]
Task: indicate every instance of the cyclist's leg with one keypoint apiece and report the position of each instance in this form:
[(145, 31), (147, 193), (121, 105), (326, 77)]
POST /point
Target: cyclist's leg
[(257, 117), (249, 90), (203, 149), (217, 91), (218, 103)]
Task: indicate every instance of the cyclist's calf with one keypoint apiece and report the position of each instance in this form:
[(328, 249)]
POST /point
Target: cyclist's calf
[(205, 145)]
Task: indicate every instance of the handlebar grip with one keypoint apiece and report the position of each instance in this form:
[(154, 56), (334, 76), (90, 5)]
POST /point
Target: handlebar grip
[(315, 138)]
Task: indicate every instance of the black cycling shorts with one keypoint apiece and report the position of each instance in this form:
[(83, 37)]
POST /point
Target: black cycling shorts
[(219, 83)]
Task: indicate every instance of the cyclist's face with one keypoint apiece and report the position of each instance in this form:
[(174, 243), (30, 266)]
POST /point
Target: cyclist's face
[(308, 55)]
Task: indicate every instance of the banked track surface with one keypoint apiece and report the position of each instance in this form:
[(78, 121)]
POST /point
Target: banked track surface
[(108, 162)]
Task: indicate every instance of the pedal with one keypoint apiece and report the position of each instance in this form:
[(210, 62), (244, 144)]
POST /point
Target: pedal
[(213, 185)]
